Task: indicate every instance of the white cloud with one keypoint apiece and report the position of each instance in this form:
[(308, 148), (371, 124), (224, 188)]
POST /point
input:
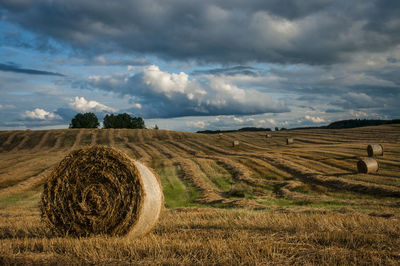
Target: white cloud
[(80, 104), (358, 114), (40, 114), (164, 82), (7, 106), (315, 119), (197, 124), (164, 94), (238, 120)]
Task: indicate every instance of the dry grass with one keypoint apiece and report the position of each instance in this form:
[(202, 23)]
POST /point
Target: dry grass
[(313, 207), (212, 236)]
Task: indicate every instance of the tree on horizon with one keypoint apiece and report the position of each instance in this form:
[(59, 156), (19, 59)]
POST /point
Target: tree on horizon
[(123, 121), (86, 120)]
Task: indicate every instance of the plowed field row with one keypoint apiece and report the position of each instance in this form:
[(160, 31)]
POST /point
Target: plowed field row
[(201, 170)]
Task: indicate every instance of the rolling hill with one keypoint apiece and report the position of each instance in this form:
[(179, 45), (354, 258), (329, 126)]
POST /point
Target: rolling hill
[(220, 183)]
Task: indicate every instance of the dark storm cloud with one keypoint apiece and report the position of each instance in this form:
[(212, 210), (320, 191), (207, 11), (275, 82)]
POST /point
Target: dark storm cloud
[(340, 87), (236, 70), (333, 111), (359, 101), (10, 67), (282, 31)]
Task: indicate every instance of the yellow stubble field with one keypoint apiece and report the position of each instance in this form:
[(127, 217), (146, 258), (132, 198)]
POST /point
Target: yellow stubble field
[(261, 202)]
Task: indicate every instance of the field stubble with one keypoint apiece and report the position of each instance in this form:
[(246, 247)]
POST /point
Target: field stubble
[(263, 202)]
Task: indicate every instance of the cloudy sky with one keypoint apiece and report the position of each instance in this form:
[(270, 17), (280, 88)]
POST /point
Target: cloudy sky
[(192, 65)]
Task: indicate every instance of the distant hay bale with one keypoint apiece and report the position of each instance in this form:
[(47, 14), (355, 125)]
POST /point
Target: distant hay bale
[(367, 165), (268, 136), (375, 150), (235, 143), (289, 141), (99, 190), (220, 135)]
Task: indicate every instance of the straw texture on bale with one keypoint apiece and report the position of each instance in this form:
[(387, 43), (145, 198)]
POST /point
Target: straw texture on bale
[(375, 150), (235, 143), (99, 190), (367, 165), (289, 141)]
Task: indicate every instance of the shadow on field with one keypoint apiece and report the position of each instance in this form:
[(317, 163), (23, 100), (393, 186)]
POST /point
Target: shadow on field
[(18, 233)]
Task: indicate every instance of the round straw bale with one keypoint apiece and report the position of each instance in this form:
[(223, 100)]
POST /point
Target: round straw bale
[(235, 143), (99, 190), (289, 141), (268, 136), (367, 165), (375, 150)]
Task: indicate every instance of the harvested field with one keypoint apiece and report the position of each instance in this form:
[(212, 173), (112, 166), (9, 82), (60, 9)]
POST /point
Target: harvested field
[(260, 202)]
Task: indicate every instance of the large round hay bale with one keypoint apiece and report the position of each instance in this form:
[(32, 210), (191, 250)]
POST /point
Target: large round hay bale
[(289, 141), (235, 143), (375, 150), (367, 165), (268, 136), (99, 190)]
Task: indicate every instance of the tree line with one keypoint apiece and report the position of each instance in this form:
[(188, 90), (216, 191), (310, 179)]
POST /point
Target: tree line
[(90, 120), (354, 123)]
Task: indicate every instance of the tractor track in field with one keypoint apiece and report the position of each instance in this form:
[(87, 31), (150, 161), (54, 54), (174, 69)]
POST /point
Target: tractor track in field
[(9, 140), (319, 167), (311, 176), (22, 143), (27, 183), (93, 137), (78, 138), (59, 140), (43, 140), (110, 137)]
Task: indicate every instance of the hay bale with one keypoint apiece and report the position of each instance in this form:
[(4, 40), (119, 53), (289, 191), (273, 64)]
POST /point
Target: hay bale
[(367, 165), (220, 135), (375, 150), (268, 136), (289, 141), (99, 190), (235, 143)]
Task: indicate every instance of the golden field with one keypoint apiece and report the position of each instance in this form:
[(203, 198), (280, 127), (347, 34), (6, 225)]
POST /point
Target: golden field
[(262, 202)]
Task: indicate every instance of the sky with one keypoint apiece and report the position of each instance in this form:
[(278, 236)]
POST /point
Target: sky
[(192, 65)]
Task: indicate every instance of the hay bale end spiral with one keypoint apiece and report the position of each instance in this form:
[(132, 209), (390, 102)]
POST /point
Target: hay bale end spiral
[(99, 190)]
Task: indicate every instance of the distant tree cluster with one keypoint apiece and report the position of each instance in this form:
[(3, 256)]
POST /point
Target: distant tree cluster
[(89, 120), (352, 123), (86, 120), (122, 121)]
